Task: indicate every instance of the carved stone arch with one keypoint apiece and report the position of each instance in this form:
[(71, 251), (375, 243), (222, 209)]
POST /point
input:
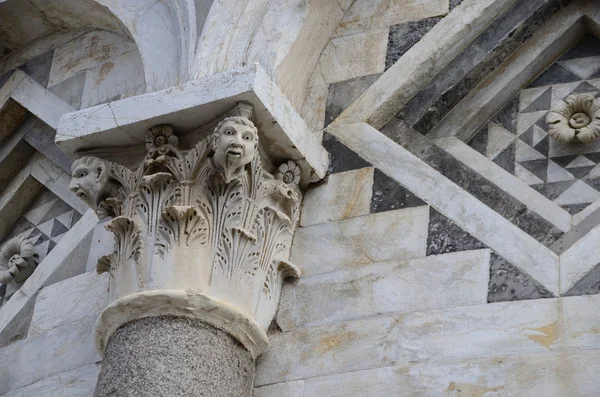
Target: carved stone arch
[(276, 34)]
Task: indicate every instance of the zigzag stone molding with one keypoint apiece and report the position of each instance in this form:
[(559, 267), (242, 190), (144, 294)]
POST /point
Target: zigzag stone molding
[(203, 234)]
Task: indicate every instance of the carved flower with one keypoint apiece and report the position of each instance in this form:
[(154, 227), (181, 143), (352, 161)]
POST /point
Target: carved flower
[(575, 119), (160, 139), (289, 172), (18, 253)]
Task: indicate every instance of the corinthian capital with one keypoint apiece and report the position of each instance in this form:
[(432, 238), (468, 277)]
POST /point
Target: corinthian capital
[(206, 231)]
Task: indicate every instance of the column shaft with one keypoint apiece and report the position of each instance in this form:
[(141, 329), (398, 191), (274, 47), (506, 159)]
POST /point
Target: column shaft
[(174, 356)]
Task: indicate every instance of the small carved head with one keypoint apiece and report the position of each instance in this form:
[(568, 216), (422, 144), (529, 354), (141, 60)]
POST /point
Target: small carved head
[(89, 180), (234, 142)]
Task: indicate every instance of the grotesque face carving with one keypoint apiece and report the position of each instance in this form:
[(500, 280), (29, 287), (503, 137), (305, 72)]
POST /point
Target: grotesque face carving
[(234, 142), (89, 180)]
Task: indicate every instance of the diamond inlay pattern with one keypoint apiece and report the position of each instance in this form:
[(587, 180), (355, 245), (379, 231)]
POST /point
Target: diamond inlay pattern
[(517, 138), (45, 223)]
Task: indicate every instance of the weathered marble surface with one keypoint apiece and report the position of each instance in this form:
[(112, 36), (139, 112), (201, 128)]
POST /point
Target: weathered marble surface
[(366, 239), (536, 347), (541, 374), (509, 283), (335, 348), (340, 157), (470, 214), (505, 35), (356, 55), (445, 236), (59, 350), (68, 301), (344, 195), (343, 93), (507, 182), (79, 382), (457, 279), (389, 195)]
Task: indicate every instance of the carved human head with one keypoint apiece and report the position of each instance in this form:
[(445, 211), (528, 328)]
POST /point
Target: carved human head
[(90, 180), (234, 142)]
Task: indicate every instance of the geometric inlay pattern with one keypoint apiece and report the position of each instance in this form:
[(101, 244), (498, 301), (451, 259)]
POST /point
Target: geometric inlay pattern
[(45, 222), (568, 174)]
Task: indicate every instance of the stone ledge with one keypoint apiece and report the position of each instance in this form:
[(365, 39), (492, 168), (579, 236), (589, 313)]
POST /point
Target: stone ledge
[(186, 107)]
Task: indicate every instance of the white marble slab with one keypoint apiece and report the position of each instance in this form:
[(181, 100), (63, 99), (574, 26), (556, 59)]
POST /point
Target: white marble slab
[(42, 103), (365, 15), (69, 301), (500, 328), (352, 56), (80, 382), (120, 77), (398, 234), (507, 182), (85, 52), (329, 349), (510, 242), (438, 281), (58, 350), (572, 374), (344, 195), (578, 260)]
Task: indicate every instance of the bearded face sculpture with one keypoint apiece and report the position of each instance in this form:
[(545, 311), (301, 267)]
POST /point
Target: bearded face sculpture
[(234, 142), (90, 181)]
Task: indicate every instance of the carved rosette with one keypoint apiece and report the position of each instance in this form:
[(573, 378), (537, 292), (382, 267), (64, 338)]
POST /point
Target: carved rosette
[(204, 233), (576, 119)]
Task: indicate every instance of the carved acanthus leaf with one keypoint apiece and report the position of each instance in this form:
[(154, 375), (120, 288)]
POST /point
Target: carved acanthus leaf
[(181, 225)]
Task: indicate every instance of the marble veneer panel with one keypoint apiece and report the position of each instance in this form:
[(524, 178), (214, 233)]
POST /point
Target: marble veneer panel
[(509, 283), (341, 94), (469, 213), (535, 374), (58, 350), (343, 195), (390, 195), (405, 35), (329, 349), (445, 236), (506, 343), (506, 282), (503, 37), (80, 382), (340, 157), (392, 235), (587, 285), (69, 301), (457, 279)]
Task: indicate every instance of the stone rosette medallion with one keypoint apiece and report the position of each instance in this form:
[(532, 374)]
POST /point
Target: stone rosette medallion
[(18, 261), (576, 119), (204, 233)]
